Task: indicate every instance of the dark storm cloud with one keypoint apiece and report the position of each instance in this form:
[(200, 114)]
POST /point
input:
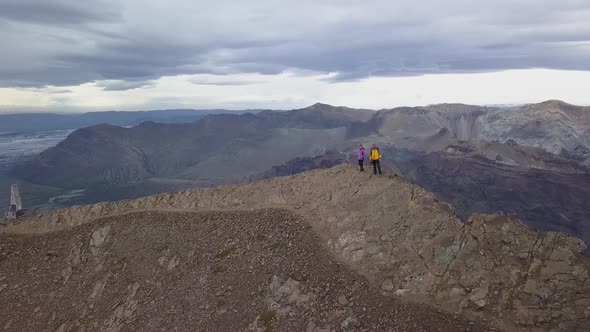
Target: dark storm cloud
[(221, 82), (60, 91), (133, 60), (55, 11), (122, 85), (131, 42)]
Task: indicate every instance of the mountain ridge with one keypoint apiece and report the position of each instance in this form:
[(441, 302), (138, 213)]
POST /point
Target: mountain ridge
[(31, 122), (530, 157), (126, 273), (412, 128), (404, 240)]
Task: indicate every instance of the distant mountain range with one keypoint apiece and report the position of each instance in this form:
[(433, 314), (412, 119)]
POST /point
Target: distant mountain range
[(29, 122), (216, 149), (530, 160), (229, 147)]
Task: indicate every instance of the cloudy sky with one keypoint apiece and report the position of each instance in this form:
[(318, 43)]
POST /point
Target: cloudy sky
[(71, 55)]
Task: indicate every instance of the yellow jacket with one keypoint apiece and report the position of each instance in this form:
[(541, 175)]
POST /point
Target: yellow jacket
[(375, 154)]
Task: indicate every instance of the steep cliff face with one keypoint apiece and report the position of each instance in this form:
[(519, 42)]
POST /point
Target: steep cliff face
[(552, 125), (555, 126), (406, 242), (410, 127)]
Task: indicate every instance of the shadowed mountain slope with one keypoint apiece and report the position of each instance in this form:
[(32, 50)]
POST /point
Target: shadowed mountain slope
[(230, 148), (544, 198), (217, 149)]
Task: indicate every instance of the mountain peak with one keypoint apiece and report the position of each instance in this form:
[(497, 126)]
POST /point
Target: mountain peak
[(555, 102), (559, 106), (320, 105)]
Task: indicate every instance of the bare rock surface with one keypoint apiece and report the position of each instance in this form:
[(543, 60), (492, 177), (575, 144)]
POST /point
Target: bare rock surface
[(400, 237), (196, 271)]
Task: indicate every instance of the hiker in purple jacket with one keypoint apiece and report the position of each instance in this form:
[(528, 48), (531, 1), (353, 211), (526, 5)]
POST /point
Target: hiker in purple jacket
[(361, 157)]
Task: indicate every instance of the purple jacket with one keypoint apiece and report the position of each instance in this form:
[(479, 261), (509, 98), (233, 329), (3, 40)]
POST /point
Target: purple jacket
[(361, 155)]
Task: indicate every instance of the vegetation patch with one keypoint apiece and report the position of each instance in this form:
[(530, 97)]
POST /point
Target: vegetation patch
[(117, 267), (223, 254), (268, 317)]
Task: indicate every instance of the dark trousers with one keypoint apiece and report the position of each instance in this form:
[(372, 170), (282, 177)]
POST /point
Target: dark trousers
[(361, 162), (376, 166)]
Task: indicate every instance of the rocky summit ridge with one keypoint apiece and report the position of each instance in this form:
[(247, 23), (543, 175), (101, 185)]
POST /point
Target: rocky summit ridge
[(406, 243)]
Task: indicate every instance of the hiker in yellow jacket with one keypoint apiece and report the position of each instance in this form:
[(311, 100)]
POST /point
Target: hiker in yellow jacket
[(375, 157)]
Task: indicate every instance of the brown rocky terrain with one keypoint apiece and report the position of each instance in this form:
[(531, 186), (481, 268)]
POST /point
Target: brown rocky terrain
[(547, 192), (262, 270), (407, 244)]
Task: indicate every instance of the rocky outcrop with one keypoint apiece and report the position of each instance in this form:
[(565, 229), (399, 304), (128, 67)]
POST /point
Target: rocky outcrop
[(195, 271), (405, 241)]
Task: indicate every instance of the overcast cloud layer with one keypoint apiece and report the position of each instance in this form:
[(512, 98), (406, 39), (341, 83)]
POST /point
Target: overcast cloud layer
[(126, 45)]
